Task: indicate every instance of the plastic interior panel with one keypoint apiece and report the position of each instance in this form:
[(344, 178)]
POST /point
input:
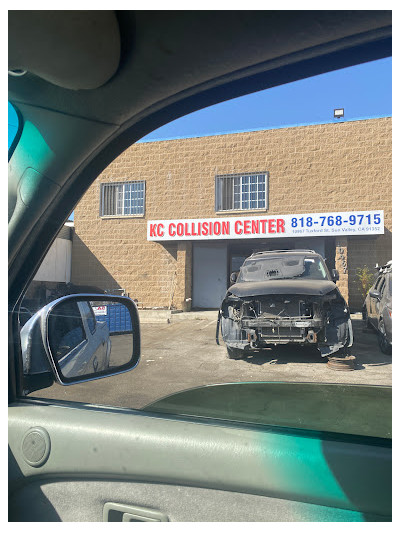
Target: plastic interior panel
[(126, 445), (83, 501)]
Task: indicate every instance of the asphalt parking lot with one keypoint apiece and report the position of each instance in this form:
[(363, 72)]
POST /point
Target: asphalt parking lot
[(184, 354)]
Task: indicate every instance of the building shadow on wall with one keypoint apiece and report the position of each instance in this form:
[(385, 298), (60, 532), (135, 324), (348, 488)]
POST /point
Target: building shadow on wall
[(86, 269)]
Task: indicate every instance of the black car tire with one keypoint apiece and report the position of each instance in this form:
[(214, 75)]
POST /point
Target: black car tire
[(235, 353), (366, 323), (384, 344)]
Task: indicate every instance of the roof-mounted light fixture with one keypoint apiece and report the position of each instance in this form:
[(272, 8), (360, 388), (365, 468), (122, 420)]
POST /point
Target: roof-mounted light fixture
[(338, 113)]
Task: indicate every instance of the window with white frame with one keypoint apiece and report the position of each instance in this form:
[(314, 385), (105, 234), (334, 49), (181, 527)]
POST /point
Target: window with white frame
[(241, 192), (122, 198)]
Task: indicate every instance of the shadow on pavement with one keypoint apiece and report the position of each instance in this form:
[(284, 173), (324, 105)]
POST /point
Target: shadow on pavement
[(282, 355), (365, 348)]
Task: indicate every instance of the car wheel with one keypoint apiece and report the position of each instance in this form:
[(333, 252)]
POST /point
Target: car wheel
[(235, 353), (366, 322), (384, 344)]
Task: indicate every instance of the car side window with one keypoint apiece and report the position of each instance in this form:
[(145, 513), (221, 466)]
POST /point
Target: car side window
[(381, 286), (66, 330), (70, 341), (377, 282), (89, 316), (175, 255)]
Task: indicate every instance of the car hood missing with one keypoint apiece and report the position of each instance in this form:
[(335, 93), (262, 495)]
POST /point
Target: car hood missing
[(282, 286)]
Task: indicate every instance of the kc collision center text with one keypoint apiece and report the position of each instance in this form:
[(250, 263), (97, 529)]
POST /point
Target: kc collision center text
[(217, 227)]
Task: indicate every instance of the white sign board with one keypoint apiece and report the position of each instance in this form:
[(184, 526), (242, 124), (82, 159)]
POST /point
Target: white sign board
[(250, 227), (100, 310)]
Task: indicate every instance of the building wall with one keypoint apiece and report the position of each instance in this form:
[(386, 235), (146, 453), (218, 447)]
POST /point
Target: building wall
[(330, 167)]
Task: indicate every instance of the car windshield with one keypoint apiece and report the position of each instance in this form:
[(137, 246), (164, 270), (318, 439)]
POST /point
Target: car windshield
[(283, 266)]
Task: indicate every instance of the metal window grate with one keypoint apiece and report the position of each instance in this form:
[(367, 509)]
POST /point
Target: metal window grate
[(122, 198), (241, 192)]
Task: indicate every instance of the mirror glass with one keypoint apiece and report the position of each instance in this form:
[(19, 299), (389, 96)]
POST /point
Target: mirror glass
[(88, 338)]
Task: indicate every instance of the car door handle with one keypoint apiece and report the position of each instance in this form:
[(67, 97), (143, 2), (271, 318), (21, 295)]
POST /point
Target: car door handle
[(117, 512), (128, 517)]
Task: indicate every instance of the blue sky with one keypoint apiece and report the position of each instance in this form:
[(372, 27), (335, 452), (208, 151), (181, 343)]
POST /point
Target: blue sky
[(364, 91), (12, 124)]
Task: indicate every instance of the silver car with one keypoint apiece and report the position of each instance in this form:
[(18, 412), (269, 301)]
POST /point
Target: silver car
[(377, 310)]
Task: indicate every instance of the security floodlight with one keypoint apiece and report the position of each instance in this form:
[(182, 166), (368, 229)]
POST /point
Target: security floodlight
[(338, 113)]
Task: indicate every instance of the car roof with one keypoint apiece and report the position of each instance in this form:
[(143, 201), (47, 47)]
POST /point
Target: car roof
[(294, 251), (277, 253)]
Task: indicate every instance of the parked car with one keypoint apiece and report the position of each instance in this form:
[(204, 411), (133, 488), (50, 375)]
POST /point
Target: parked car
[(78, 342), (284, 297), (377, 309)]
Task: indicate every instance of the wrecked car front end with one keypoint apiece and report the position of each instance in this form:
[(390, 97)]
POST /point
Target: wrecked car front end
[(256, 315)]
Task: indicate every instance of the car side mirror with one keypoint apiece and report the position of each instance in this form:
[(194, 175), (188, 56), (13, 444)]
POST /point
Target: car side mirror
[(375, 294), (234, 277), (83, 337), (335, 275)]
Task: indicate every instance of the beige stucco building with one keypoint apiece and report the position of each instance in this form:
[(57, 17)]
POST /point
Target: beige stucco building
[(334, 170)]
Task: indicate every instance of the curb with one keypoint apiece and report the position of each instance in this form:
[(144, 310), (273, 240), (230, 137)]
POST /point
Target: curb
[(166, 316)]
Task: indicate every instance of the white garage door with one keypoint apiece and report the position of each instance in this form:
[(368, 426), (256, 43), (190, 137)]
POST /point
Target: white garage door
[(209, 276)]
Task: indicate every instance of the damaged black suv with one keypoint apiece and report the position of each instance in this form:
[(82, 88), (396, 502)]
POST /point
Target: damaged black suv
[(284, 297)]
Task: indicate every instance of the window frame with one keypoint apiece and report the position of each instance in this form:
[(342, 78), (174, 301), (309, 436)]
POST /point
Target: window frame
[(218, 200), (114, 184), (89, 315)]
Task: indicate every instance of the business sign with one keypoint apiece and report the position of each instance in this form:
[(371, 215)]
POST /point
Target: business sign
[(303, 225), (100, 310)]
